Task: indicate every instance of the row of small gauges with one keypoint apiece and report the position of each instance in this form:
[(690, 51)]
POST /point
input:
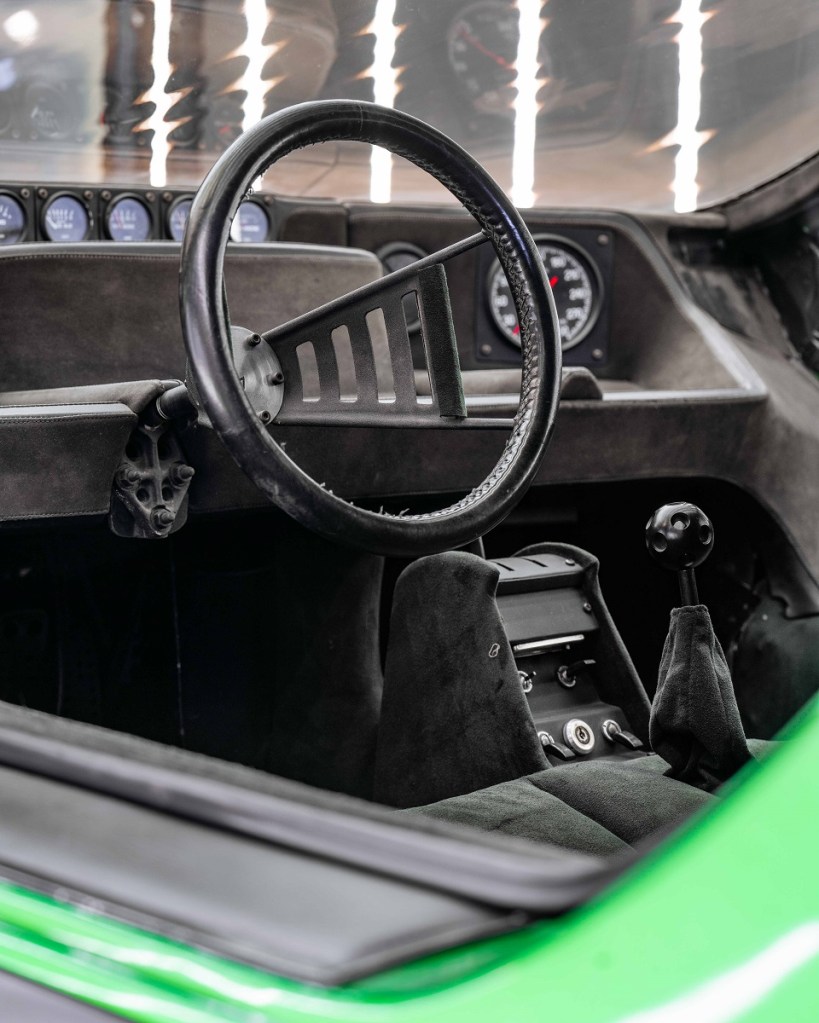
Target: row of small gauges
[(66, 214)]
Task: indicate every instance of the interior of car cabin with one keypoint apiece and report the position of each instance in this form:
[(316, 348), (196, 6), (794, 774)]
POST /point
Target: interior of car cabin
[(415, 410)]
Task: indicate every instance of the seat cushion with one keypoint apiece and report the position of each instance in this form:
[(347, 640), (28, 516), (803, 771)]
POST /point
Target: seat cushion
[(522, 809), (630, 798)]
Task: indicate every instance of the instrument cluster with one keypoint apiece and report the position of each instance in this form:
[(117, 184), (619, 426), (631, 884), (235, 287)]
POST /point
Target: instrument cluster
[(57, 213), (577, 261)]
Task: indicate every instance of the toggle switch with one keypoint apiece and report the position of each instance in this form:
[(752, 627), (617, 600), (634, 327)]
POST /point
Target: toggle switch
[(526, 680), (614, 733), (568, 674), (554, 748)]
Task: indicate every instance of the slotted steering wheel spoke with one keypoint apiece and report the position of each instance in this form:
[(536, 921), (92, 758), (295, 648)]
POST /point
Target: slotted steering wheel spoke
[(317, 396)]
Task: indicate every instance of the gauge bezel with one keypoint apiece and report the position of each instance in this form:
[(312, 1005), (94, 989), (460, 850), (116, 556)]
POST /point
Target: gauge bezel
[(597, 300), (137, 198), (253, 200), (6, 194), (49, 202), (169, 212)]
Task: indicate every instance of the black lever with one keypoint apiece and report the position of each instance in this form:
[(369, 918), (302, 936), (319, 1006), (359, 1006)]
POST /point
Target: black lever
[(680, 536)]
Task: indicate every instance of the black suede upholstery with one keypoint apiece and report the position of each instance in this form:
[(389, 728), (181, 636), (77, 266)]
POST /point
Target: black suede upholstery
[(695, 723), (454, 718), (631, 798), (522, 809)]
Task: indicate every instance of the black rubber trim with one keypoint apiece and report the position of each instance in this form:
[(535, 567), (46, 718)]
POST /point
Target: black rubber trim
[(497, 871)]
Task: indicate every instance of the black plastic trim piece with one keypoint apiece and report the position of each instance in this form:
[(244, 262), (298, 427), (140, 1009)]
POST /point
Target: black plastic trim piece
[(496, 871)]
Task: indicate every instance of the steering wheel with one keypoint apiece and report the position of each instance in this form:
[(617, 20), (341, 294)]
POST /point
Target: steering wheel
[(223, 361)]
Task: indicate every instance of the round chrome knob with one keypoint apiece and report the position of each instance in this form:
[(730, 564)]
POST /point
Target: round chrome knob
[(578, 736)]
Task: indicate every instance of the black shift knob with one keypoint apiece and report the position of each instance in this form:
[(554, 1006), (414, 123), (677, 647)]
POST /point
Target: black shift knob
[(680, 536)]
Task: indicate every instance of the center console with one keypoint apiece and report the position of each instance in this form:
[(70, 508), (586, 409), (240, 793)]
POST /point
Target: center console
[(580, 685)]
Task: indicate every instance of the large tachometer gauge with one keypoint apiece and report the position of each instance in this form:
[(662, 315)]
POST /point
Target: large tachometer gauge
[(576, 285), (482, 45)]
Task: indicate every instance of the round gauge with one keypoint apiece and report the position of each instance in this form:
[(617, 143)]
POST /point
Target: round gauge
[(66, 219), (576, 286), (396, 256), (12, 220), (251, 223), (127, 220), (54, 112), (482, 45), (178, 217)]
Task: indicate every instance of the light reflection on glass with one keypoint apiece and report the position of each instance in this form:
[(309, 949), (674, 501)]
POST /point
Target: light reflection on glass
[(384, 87), (526, 105), (257, 55), (689, 100), (160, 59)]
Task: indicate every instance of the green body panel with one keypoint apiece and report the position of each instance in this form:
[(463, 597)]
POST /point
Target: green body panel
[(720, 923)]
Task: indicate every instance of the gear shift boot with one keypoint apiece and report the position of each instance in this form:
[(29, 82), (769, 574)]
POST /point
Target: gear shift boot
[(695, 724)]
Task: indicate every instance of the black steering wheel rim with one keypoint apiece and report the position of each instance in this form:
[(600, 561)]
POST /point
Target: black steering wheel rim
[(206, 328)]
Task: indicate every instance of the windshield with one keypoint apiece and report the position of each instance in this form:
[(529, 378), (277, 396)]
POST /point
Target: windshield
[(639, 104)]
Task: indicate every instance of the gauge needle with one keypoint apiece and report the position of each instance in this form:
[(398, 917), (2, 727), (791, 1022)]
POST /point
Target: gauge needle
[(474, 41), (553, 281)]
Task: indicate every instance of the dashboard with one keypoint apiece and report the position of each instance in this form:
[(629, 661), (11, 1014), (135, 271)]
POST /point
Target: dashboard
[(578, 260), (89, 289)]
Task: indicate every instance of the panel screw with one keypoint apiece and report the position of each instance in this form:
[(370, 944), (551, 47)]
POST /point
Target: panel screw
[(486, 349), (105, 195), (88, 194), (602, 239), (265, 416), (587, 608), (43, 193), (167, 196), (25, 193), (150, 196), (597, 354)]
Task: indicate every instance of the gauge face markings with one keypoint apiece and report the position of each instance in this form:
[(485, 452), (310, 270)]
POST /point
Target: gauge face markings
[(251, 223), (66, 219), (128, 220), (482, 44), (575, 284), (12, 219), (178, 218)]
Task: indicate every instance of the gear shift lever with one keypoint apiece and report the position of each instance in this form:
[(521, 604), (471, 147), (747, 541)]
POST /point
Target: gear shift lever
[(695, 724), (679, 536)]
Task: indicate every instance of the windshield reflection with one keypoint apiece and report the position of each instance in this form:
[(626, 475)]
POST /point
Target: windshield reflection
[(647, 104)]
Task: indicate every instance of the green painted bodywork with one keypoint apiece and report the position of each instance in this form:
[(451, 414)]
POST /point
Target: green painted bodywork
[(719, 923)]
